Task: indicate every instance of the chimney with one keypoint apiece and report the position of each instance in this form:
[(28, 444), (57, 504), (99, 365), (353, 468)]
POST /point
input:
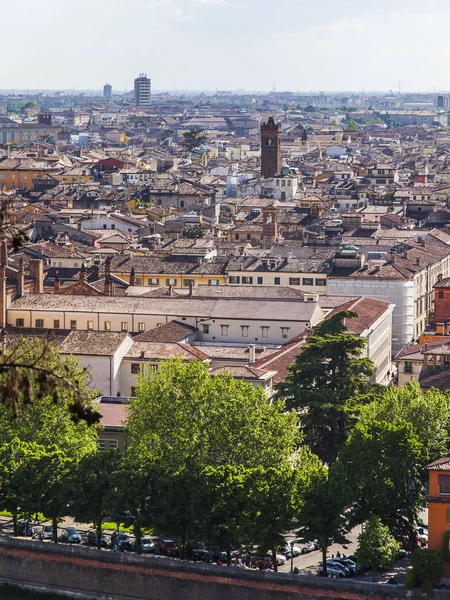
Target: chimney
[(4, 253), (142, 353), (418, 261), (56, 284), (83, 273), (37, 273), (251, 354), (21, 279), (171, 291), (2, 296)]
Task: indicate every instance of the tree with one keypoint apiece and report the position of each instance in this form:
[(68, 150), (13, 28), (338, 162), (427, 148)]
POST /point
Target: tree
[(429, 414), (91, 490), (382, 463), (19, 492), (41, 394), (427, 568), (182, 416), (193, 138), (53, 477), (328, 384), (304, 136), (352, 126), (376, 547), (322, 514)]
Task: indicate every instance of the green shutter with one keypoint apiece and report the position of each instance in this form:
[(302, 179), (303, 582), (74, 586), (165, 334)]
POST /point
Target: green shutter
[(448, 515)]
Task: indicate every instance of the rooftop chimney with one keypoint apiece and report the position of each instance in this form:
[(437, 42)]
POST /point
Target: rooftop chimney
[(56, 284), (37, 273), (21, 279), (251, 354), (417, 260)]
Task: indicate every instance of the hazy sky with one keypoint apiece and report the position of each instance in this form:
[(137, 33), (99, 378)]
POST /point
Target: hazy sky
[(227, 44)]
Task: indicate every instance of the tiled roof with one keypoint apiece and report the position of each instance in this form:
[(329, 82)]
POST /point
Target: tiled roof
[(435, 378), (369, 311), (93, 343), (164, 351), (174, 331), (115, 414), (441, 464)]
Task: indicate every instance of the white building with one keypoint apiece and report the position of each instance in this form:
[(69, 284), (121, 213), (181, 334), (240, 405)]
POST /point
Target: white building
[(142, 90)]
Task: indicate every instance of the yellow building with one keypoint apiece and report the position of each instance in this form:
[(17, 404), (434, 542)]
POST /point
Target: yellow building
[(19, 174)]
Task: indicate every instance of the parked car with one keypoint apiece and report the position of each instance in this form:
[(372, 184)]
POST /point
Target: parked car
[(334, 570), (46, 533), (293, 550), (70, 535), (422, 535), (92, 539), (347, 563), (196, 551), (166, 547), (124, 542), (25, 528), (305, 546), (147, 545)]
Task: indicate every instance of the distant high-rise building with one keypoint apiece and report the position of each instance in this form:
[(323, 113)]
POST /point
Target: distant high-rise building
[(442, 102), (270, 148), (142, 90), (107, 91)]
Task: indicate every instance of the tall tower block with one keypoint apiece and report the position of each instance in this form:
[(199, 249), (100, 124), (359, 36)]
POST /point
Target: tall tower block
[(270, 148)]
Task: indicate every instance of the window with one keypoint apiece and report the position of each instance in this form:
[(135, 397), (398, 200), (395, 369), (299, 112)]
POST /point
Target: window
[(278, 182), (187, 282), (56, 324), (289, 183), (153, 281), (90, 325), (441, 295), (224, 330), (205, 329), (265, 331), (244, 329), (73, 324), (154, 367), (39, 323), (124, 326), (213, 282), (247, 280), (444, 488), (321, 282), (308, 281), (236, 236), (283, 183), (408, 367), (181, 203), (234, 279), (283, 195), (135, 368), (141, 326), (138, 281), (108, 444), (284, 332), (171, 282), (294, 280), (107, 325), (20, 322), (249, 236), (260, 280), (276, 281)]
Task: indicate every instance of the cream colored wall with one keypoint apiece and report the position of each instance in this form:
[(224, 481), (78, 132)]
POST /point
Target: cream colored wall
[(269, 279)]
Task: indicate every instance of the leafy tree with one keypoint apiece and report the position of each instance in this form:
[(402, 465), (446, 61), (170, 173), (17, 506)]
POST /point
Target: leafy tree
[(429, 414), (53, 478), (91, 491), (376, 547), (19, 492), (382, 463), (182, 416), (328, 384), (322, 515), (193, 138), (42, 396), (352, 126), (427, 568)]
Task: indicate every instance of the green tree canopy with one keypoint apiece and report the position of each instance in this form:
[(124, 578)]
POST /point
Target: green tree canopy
[(328, 384), (184, 416), (193, 138), (376, 547), (322, 513), (352, 125), (428, 412), (44, 400), (382, 463)]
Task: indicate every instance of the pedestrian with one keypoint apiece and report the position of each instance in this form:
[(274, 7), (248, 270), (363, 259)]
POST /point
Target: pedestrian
[(338, 554), (114, 539)]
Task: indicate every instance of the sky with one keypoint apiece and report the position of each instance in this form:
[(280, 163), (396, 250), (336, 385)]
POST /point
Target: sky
[(295, 45)]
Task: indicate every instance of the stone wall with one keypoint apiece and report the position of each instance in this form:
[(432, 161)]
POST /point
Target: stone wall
[(115, 575)]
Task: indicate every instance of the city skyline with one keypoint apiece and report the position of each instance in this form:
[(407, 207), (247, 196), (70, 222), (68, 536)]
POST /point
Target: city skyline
[(228, 44)]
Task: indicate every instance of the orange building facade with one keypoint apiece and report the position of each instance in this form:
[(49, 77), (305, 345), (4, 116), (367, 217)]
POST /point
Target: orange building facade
[(439, 506)]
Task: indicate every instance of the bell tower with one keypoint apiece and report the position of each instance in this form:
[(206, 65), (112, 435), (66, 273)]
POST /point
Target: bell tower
[(270, 224), (270, 148)]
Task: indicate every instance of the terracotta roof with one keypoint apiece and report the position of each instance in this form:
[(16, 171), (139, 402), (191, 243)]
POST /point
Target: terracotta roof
[(441, 464), (280, 361), (90, 343), (115, 414), (435, 378), (163, 351), (369, 311), (243, 372)]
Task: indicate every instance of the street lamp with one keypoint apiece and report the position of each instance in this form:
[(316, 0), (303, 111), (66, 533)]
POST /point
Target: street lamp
[(292, 555)]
